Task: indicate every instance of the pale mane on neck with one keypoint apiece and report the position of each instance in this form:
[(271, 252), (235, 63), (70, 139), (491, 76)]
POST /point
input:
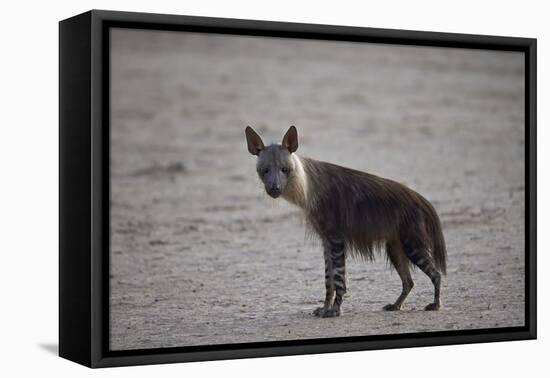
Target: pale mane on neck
[(296, 191)]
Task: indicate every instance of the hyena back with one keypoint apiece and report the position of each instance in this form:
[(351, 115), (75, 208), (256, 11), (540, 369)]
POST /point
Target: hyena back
[(354, 213)]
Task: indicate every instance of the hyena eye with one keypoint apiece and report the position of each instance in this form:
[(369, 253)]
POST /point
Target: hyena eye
[(265, 171), (285, 170)]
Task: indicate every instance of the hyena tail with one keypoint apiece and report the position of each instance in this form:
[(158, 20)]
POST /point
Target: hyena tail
[(433, 227)]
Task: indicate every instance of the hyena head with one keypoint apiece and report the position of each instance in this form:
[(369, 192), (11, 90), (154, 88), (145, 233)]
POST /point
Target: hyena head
[(275, 163)]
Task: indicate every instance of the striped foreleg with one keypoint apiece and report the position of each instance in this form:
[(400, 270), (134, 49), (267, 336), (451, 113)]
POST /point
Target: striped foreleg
[(335, 278)]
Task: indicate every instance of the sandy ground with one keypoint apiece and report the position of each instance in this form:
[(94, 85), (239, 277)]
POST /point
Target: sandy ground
[(200, 255)]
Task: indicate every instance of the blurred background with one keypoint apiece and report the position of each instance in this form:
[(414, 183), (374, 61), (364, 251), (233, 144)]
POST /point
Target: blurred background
[(199, 255)]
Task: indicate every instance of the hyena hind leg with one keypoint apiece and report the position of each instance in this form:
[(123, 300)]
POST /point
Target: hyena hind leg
[(422, 259), (401, 264)]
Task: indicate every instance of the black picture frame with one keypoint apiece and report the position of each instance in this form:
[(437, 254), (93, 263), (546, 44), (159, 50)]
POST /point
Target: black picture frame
[(84, 187)]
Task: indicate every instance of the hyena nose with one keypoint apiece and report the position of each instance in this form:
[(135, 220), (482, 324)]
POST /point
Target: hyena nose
[(274, 190)]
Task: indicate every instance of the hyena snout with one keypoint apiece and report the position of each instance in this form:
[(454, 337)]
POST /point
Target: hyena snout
[(274, 190), (274, 182)]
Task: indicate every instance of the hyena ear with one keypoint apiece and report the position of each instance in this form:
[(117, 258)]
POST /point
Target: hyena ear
[(255, 144), (290, 140)]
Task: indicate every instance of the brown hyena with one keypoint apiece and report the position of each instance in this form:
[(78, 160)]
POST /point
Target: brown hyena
[(354, 213)]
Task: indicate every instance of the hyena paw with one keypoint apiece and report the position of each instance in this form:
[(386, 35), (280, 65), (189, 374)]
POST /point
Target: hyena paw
[(330, 313), (392, 307), (323, 312), (319, 311), (432, 307)]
